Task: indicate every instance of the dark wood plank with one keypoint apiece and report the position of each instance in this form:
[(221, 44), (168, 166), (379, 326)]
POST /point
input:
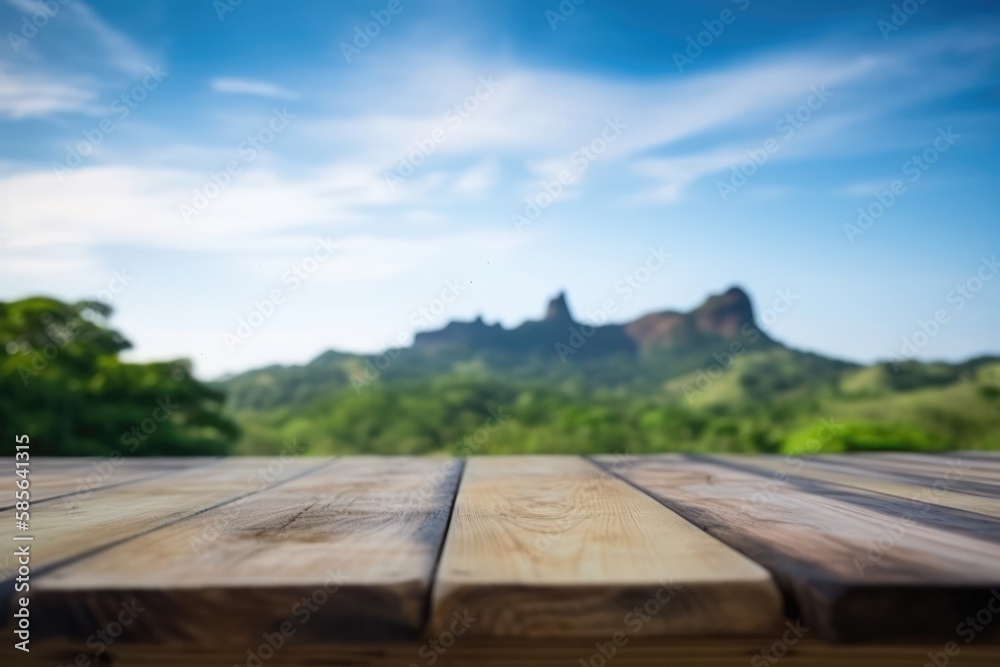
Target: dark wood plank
[(466, 652), (941, 495), (857, 566), (953, 473)]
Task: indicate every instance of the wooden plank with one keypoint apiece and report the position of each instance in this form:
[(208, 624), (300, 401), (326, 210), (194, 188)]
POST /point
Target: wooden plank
[(550, 546), (987, 466), (53, 478), (808, 468), (985, 470), (859, 566), (360, 539), (64, 530), (640, 652), (985, 459), (957, 474), (984, 454)]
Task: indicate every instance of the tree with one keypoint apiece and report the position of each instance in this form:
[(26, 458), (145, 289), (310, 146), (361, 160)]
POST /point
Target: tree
[(62, 384)]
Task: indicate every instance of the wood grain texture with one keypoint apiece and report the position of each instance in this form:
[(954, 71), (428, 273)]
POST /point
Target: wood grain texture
[(986, 467), (550, 546), (859, 566), (955, 475), (961, 473), (941, 495), (53, 478), (78, 524), (345, 552)]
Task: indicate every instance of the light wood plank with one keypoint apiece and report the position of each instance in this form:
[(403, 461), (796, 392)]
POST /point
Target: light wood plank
[(359, 538), (75, 525), (53, 478), (549, 546), (857, 568)]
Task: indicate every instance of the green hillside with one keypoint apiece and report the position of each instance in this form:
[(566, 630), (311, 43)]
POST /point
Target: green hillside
[(705, 381)]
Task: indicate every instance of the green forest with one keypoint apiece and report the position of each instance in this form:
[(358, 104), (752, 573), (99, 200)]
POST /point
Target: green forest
[(64, 384)]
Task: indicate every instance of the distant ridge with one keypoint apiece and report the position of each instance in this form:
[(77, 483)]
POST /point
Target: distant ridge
[(726, 316)]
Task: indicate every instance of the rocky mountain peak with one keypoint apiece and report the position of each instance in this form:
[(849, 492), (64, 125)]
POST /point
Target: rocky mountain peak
[(724, 314), (558, 310)]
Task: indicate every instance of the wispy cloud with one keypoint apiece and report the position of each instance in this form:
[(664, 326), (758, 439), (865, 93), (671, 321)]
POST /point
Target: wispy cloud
[(37, 80), (25, 95), (122, 52), (477, 156), (249, 87), (476, 180)]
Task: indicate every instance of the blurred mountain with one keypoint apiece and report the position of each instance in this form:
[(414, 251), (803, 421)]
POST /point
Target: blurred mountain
[(706, 380), (638, 355)]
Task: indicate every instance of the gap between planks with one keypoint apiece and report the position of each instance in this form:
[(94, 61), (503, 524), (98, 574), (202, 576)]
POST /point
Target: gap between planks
[(856, 568)]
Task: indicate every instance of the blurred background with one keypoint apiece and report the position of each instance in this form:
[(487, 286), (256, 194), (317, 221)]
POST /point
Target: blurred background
[(497, 227)]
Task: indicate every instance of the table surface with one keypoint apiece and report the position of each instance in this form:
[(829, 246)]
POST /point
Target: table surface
[(716, 553)]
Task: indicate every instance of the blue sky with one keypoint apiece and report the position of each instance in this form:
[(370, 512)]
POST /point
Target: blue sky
[(204, 164)]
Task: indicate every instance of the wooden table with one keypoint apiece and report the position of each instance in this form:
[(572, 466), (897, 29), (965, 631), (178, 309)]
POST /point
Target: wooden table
[(880, 559)]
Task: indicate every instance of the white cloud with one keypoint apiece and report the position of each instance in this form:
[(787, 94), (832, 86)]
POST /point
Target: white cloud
[(24, 95), (675, 174), (75, 20), (540, 117), (476, 180), (248, 87), (31, 86), (122, 53)]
